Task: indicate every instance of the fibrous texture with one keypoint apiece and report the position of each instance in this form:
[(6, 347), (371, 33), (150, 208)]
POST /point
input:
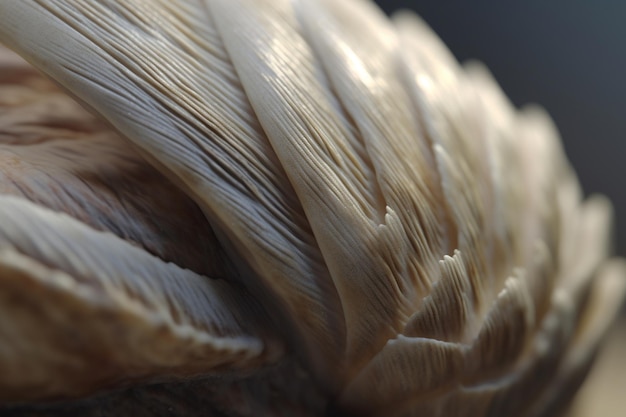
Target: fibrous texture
[(310, 205)]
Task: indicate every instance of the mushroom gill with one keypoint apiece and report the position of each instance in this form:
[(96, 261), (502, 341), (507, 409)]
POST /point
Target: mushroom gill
[(310, 207)]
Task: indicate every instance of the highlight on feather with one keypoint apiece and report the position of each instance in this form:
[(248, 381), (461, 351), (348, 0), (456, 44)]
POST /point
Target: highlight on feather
[(283, 207)]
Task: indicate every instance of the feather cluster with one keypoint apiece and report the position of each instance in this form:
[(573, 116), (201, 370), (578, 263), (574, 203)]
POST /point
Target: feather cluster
[(293, 206)]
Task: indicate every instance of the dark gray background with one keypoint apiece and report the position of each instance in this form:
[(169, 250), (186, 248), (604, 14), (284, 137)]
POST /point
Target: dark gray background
[(568, 56)]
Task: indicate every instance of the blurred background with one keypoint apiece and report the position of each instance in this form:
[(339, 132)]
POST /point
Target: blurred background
[(569, 57)]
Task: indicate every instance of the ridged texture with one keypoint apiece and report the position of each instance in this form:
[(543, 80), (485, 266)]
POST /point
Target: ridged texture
[(90, 301), (84, 306), (418, 244), (55, 154)]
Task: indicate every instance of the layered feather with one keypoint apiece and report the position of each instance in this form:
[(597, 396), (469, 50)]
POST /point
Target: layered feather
[(421, 246)]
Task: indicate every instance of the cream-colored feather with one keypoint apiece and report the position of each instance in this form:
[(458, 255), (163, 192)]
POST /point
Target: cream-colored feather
[(382, 220)]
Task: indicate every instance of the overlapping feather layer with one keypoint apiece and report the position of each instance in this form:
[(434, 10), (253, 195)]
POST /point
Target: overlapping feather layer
[(300, 182)]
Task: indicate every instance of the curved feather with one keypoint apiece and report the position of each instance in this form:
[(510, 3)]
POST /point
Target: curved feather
[(386, 205), (55, 154), (73, 297), (159, 73)]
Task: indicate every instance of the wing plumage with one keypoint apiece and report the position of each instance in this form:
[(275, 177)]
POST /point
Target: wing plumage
[(421, 245)]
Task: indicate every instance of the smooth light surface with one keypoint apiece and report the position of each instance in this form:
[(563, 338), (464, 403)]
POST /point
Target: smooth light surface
[(602, 394)]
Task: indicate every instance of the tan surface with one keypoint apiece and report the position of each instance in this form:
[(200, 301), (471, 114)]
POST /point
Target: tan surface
[(604, 392)]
